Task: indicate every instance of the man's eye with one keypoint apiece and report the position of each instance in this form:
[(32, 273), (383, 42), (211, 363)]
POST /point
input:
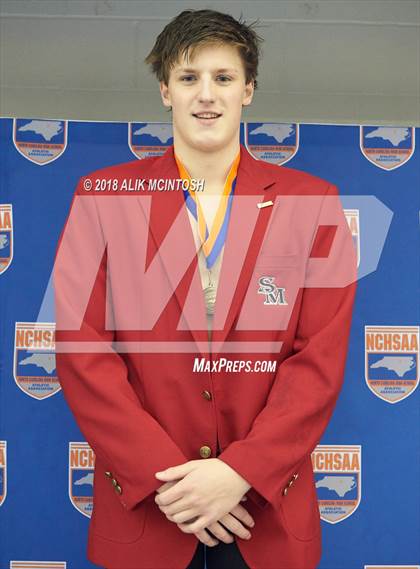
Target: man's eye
[(190, 78)]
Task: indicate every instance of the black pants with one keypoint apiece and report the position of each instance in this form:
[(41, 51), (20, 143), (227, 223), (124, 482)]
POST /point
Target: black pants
[(221, 556)]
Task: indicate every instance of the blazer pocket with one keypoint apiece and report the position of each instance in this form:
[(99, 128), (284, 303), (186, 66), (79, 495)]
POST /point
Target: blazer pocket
[(299, 508), (110, 520)]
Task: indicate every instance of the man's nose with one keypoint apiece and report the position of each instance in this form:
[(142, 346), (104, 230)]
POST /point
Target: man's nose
[(206, 92)]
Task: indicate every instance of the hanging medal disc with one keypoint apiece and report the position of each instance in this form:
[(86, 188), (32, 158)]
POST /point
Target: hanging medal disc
[(210, 298)]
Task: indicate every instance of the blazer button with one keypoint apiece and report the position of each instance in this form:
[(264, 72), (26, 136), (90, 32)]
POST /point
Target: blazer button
[(118, 489), (207, 395), (108, 474), (205, 451), (285, 491), (290, 483), (295, 476), (114, 482)]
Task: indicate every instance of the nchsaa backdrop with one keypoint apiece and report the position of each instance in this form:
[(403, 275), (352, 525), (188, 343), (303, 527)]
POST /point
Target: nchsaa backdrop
[(367, 464)]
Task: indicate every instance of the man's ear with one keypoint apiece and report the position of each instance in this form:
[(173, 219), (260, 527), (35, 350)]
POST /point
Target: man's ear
[(248, 94), (164, 93)]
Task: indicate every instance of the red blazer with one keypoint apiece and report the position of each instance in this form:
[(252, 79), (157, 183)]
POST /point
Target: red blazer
[(133, 391)]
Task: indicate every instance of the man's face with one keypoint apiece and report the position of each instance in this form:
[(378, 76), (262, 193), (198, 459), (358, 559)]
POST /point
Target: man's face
[(213, 82)]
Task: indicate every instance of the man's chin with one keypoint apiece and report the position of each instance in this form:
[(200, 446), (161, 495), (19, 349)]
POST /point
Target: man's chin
[(209, 144)]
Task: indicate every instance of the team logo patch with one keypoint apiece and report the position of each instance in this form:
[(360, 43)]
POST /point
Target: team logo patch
[(81, 474), (6, 236), (40, 140), (388, 147), (38, 564), (147, 139), (337, 471), (274, 295), (34, 359), (352, 218), (391, 361), (3, 471), (276, 143)]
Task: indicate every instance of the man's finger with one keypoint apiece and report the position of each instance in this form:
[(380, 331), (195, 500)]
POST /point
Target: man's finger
[(177, 507), (175, 472), (200, 523), (203, 536), (206, 538), (235, 526), (182, 516), (165, 486), (220, 532), (242, 514), (170, 495)]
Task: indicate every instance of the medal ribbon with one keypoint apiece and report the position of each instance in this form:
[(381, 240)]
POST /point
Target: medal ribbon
[(212, 242)]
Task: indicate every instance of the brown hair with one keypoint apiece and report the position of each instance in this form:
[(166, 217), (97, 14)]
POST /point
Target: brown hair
[(194, 28)]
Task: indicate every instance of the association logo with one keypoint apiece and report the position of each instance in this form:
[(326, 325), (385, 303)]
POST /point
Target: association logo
[(391, 361), (337, 471), (40, 140), (387, 147), (276, 143), (38, 564), (6, 236), (274, 295), (352, 218), (81, 474), (34, 367), (3, 471), (147, 139)]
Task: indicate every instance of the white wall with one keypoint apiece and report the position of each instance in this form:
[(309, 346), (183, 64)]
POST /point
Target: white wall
[(325, 61)]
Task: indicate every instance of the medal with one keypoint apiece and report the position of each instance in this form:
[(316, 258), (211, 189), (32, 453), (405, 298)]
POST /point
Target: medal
[(211, 242), (210, 296)]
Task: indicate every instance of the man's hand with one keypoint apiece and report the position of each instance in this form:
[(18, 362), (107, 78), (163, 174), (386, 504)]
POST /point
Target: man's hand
[(231, 521), (204, 490)]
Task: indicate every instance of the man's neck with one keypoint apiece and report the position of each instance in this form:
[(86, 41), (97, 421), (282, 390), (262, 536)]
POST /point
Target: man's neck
[(212, 166)]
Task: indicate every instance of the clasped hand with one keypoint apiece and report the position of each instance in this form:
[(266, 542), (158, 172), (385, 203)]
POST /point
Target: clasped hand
[(199, 494)]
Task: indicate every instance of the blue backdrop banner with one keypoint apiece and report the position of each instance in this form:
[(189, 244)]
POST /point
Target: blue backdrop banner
[(366, 467)]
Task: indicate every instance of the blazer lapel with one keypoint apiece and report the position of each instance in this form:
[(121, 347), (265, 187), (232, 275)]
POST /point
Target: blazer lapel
[(247, 227), (253, 183), (165, 208)]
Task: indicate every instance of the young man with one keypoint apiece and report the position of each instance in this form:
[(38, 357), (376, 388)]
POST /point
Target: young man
[(259, 267)]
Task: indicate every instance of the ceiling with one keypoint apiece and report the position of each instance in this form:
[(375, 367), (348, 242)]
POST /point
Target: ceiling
[(324, 61)]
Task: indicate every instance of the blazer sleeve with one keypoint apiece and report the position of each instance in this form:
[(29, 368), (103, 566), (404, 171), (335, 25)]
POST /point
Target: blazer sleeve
[(306, 387), (126, 439)]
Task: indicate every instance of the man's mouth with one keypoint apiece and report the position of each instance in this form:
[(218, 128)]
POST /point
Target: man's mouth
[(207, 116)]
